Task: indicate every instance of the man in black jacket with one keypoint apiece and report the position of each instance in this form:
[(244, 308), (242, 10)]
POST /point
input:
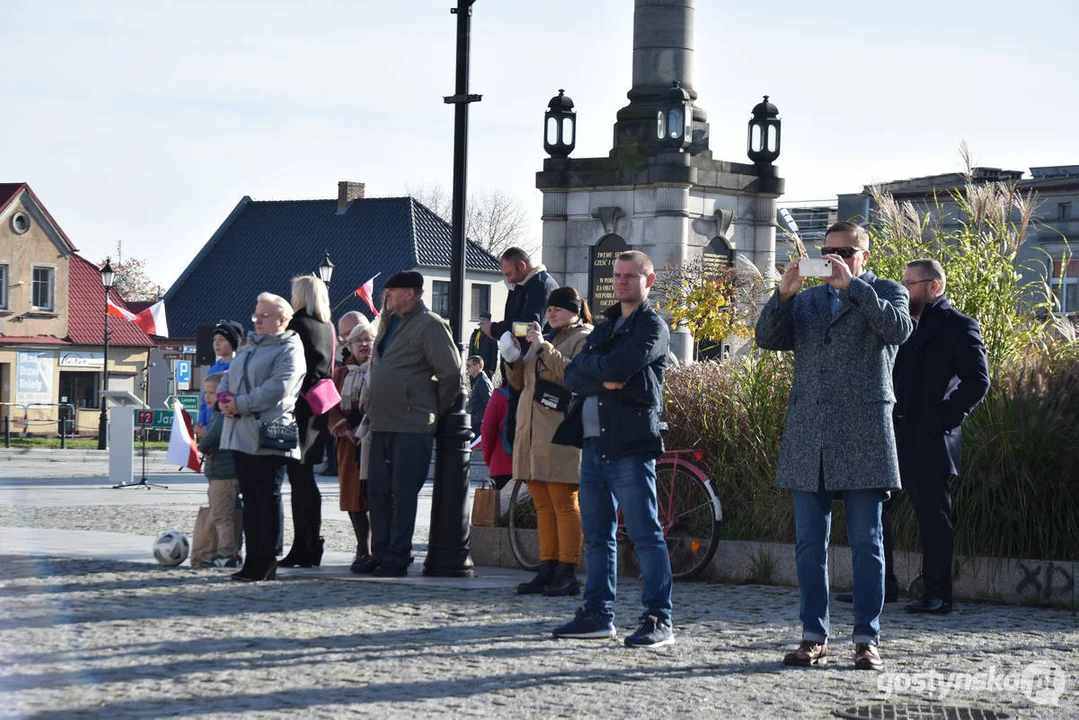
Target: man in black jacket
[(480, 344), (941, 374), (527, 300), (618, 381)]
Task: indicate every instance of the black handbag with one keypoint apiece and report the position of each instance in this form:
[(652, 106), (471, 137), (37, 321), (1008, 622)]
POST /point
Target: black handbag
[(549, 394), (276, 435)]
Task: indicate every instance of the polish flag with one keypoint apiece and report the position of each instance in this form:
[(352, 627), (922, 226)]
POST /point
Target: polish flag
[(182, 448), (151, 320), (367, 293)]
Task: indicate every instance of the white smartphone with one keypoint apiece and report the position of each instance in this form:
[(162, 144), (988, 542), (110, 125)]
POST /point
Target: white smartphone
[(815, 267)]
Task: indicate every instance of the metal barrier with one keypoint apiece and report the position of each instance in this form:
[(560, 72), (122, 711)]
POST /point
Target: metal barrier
[(7, 420), (66, 420)]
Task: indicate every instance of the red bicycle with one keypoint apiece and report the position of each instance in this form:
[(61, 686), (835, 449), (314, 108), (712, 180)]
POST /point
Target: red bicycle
[(689, 513)]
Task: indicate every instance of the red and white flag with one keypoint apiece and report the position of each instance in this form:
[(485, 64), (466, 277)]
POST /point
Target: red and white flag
[(151, 320), (367, 293), (182, 448)]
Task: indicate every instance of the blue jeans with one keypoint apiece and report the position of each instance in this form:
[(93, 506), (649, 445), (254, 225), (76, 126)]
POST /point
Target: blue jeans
[(813, 521), (628, 483)]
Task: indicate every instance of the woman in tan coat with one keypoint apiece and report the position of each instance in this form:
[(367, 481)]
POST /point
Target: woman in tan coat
[(552, 471), (345, 422)]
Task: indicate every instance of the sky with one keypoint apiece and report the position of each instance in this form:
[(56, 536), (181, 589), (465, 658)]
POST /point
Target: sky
[(146, 123)]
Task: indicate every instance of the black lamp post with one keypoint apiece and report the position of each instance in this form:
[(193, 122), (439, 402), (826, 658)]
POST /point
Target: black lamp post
[(559, 126), (762, 140), (674, 117), (107, 275), (325, 269), (448, 552)]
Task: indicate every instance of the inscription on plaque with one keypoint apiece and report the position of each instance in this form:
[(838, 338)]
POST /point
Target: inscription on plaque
[(601, 273), (717, 258)]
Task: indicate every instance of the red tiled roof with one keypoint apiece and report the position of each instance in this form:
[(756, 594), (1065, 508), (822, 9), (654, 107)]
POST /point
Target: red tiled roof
[(39, 340), (86, 310), (9, 191)]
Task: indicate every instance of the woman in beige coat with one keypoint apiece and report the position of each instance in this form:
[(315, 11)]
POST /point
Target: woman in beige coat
[(552, 471)]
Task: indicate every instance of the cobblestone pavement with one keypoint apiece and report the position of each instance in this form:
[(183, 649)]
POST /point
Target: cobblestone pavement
[(97, 638)]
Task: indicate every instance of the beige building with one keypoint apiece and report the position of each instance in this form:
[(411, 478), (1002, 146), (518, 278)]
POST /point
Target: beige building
[(52, 324)]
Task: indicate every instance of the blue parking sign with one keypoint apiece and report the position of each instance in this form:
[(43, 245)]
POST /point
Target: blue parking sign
[(183, 371)]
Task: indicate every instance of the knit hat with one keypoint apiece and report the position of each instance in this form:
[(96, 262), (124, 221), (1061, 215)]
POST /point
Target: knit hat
[(565, 298), (231, 331), (405, 279)]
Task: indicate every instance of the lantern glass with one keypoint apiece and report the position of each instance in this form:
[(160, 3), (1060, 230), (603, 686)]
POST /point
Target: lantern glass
[(552, 131), (755, 138), (661, 124), (772, 138), (567, 131), (675, 125), (107, 275)]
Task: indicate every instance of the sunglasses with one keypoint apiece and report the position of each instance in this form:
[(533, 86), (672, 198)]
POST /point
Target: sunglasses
[(847, 251), (263, 316)]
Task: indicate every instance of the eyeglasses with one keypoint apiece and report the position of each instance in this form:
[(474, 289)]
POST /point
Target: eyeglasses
[(847, 251), (911, 283), (263, 316)]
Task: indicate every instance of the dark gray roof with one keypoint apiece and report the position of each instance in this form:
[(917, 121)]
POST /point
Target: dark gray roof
[(263, 244)]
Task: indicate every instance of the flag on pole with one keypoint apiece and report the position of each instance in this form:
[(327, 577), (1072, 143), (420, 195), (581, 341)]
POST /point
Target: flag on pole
[(367, 293), (182, 448), (152, 320)]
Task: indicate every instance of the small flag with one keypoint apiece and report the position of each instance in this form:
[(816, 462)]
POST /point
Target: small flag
[(152, 320), (182, 448), (367, 293)]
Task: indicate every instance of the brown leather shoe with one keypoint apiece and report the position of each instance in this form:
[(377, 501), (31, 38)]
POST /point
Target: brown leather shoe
[(866, 657), (808, 653)]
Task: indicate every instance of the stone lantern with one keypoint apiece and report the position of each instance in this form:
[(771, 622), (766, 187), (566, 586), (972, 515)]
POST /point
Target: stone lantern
[(560, 126)]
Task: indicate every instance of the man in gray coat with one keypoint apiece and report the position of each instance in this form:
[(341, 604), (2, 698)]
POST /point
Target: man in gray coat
[(838, 436), (415, 378)]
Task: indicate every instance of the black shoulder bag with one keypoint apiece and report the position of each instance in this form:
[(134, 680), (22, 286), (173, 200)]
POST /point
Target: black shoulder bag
[(549, 394), (276, 435)]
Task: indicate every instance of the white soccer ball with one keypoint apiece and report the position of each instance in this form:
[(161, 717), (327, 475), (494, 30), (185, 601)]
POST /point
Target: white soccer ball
[(171, 548)]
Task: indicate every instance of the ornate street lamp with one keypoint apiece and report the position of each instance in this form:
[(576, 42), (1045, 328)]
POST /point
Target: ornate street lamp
[(763, 137), (560, 126), (107, 276), (325, 269), (674, 117)]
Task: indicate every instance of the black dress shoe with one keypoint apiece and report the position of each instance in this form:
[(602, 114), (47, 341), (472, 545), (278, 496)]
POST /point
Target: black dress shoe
[(296, 557), (385, 570), (367, 567), (359, 564), (930, 605)]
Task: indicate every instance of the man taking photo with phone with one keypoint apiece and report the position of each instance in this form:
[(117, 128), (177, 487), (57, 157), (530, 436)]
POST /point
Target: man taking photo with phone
[(838, 436)]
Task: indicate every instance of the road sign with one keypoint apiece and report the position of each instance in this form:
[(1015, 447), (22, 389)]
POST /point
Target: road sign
[(154, 419), (190, 402), (183, 374)]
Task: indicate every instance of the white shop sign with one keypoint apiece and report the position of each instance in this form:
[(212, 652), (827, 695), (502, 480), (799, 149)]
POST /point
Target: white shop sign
[(82, 359), (34, 384)]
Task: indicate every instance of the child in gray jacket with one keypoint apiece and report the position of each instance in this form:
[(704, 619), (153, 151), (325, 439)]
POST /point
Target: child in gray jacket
[(224, 487)]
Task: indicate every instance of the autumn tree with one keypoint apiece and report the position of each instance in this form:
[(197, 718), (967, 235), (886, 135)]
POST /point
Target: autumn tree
[(132, 282), (495, 220)]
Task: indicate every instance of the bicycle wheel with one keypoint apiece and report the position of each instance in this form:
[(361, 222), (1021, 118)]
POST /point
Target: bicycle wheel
[(689, 516), (524, 533)]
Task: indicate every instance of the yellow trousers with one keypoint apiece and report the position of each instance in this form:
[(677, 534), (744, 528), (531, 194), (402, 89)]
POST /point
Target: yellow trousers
[(558, 518)]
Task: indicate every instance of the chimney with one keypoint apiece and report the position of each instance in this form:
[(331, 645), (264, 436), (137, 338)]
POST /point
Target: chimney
[(348, 191)]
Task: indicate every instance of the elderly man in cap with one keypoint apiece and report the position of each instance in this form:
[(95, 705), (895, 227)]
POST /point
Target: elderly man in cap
[(483, 346), (415, 377), (227, 337)]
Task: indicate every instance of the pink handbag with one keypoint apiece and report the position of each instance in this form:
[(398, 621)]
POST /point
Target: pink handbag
[(322, 396)]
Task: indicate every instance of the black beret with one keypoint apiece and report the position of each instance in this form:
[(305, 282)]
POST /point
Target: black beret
[(405, 279)]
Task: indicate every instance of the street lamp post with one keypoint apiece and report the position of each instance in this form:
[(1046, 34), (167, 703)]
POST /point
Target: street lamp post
[(325, 269), (448, 553), (107, 275)]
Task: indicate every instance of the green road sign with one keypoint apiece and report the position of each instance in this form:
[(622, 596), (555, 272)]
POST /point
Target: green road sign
[(190, 402), (154, 419)]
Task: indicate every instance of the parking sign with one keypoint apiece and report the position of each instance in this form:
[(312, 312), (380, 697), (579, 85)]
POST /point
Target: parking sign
[(183, 374)]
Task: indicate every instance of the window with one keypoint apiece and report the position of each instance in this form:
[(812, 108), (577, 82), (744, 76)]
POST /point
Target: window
[(481, 299), (1067, 293), (1064, 211), (80, 388), (3, 286), (440, 298), (43, 288)]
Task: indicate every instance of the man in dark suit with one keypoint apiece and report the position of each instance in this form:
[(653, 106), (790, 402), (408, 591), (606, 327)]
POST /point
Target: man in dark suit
[(941, 374), (838, 436)]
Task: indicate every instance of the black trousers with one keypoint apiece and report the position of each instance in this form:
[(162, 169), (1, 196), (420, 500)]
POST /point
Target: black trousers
[(306, 506), (260, 479), (932, 501), (399, 466)]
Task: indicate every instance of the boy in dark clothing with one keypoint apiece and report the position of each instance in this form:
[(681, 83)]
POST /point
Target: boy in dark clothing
[(224, 487)]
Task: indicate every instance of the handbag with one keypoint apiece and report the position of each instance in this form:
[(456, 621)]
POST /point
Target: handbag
[(322, 396), (549, 394), (485, 506)]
